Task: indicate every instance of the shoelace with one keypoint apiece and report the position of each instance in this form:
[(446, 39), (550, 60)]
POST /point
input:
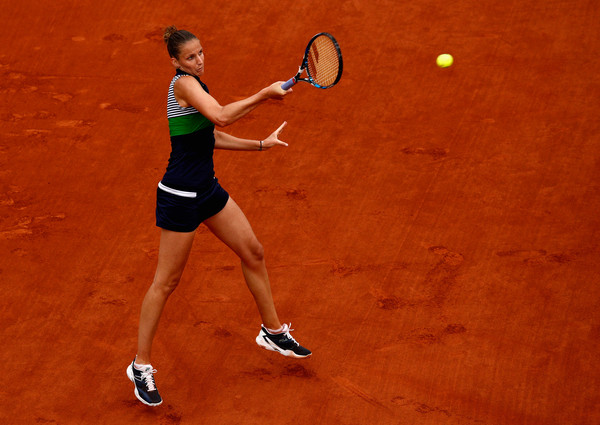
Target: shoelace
[(147, 375), (290, 337)]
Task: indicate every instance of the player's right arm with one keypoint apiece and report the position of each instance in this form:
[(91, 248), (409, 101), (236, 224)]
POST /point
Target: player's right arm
[(188, 92)]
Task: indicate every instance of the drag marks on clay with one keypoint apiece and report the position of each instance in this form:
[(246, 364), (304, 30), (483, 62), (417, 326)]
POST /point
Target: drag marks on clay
[(8, 199), (106, 300), (61, 97), (103, 286), (222, 333), (113, 37), (171, 417), (30, 227), (41, 420), (75, 123), (291, 194), (103, 282), (156, 35), (34, 136), (429, 336), (38, 115), (261, 374), (296, 195), (341, 270), (223, 269), (438, 282), (539, 257), (36, 88), (449, 258), (151, 253), (360, 393), (217, 331), (38, 135), (418, 406), (290, 370), (434, 153), (15, 82), (131, 403), (124, 107), (211, 299), (393, 303), (298, 371), (522, 253), (426, 409)]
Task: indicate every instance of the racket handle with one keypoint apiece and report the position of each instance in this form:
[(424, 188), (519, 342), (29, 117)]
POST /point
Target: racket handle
[(289, 83)]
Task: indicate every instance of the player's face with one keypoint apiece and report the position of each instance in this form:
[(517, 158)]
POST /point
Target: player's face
[(191, 58)]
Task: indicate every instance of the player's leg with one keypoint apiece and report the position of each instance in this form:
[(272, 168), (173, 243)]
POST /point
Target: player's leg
[(231, 226), (173, 253)]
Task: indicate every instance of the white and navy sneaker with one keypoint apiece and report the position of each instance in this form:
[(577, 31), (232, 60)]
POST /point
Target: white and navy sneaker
[(145, 387), (283, 343)]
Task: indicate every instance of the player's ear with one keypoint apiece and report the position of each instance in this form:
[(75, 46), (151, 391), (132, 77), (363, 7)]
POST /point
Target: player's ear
[(175, 63)]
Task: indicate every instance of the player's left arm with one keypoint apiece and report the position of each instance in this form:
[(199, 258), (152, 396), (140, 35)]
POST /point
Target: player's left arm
[(230, 142)]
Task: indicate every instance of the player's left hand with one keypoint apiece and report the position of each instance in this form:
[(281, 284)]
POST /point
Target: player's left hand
[(273, 139)]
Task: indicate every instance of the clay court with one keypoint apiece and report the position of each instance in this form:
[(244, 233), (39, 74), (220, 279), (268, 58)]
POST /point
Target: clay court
[(431, 234)]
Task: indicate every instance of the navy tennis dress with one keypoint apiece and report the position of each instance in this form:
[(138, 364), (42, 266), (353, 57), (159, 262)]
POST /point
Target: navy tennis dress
[(189, 192)]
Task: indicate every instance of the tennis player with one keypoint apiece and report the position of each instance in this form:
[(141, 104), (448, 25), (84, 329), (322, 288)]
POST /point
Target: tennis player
[(189, 194)]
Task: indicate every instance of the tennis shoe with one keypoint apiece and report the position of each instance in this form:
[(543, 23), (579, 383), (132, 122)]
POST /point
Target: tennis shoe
[(283, 343), (145, 387)]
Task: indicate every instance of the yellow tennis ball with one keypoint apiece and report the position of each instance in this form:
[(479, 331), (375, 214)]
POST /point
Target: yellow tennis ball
[(445, 60)]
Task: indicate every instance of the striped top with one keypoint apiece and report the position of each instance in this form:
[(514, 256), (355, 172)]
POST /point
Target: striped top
[(184, 120), (191, 166)]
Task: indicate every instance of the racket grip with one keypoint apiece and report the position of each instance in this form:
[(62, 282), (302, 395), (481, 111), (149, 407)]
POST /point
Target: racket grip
[(289, 83)]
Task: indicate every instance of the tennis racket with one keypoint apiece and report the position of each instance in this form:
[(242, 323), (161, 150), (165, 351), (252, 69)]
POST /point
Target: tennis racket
[(322, 62)]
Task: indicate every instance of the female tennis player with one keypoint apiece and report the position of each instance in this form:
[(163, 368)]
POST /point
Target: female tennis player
[(189, 194)]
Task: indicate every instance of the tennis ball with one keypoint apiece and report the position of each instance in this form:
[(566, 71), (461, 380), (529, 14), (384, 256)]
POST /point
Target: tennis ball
[(445, 60)]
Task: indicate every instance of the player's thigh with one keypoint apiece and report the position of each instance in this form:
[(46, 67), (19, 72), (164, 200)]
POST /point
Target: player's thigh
[(173, 253), (232, 227)]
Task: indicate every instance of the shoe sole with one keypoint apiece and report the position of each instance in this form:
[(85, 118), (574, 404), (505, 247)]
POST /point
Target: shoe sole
[(287, 353), (137, 394)]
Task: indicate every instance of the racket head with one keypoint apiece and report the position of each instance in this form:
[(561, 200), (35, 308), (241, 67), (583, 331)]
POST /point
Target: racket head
[(323, 61)]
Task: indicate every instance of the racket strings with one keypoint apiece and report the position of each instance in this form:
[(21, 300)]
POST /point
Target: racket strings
[(323, 61)]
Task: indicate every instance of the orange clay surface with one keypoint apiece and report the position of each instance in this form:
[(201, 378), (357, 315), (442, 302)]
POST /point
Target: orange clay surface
[(432, 234)]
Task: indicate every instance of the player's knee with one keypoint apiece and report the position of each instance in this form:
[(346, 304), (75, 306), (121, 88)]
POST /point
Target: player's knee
[(167, 285), (256, 252)]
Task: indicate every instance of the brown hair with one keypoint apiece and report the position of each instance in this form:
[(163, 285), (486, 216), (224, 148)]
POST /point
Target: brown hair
[(175, 38)]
